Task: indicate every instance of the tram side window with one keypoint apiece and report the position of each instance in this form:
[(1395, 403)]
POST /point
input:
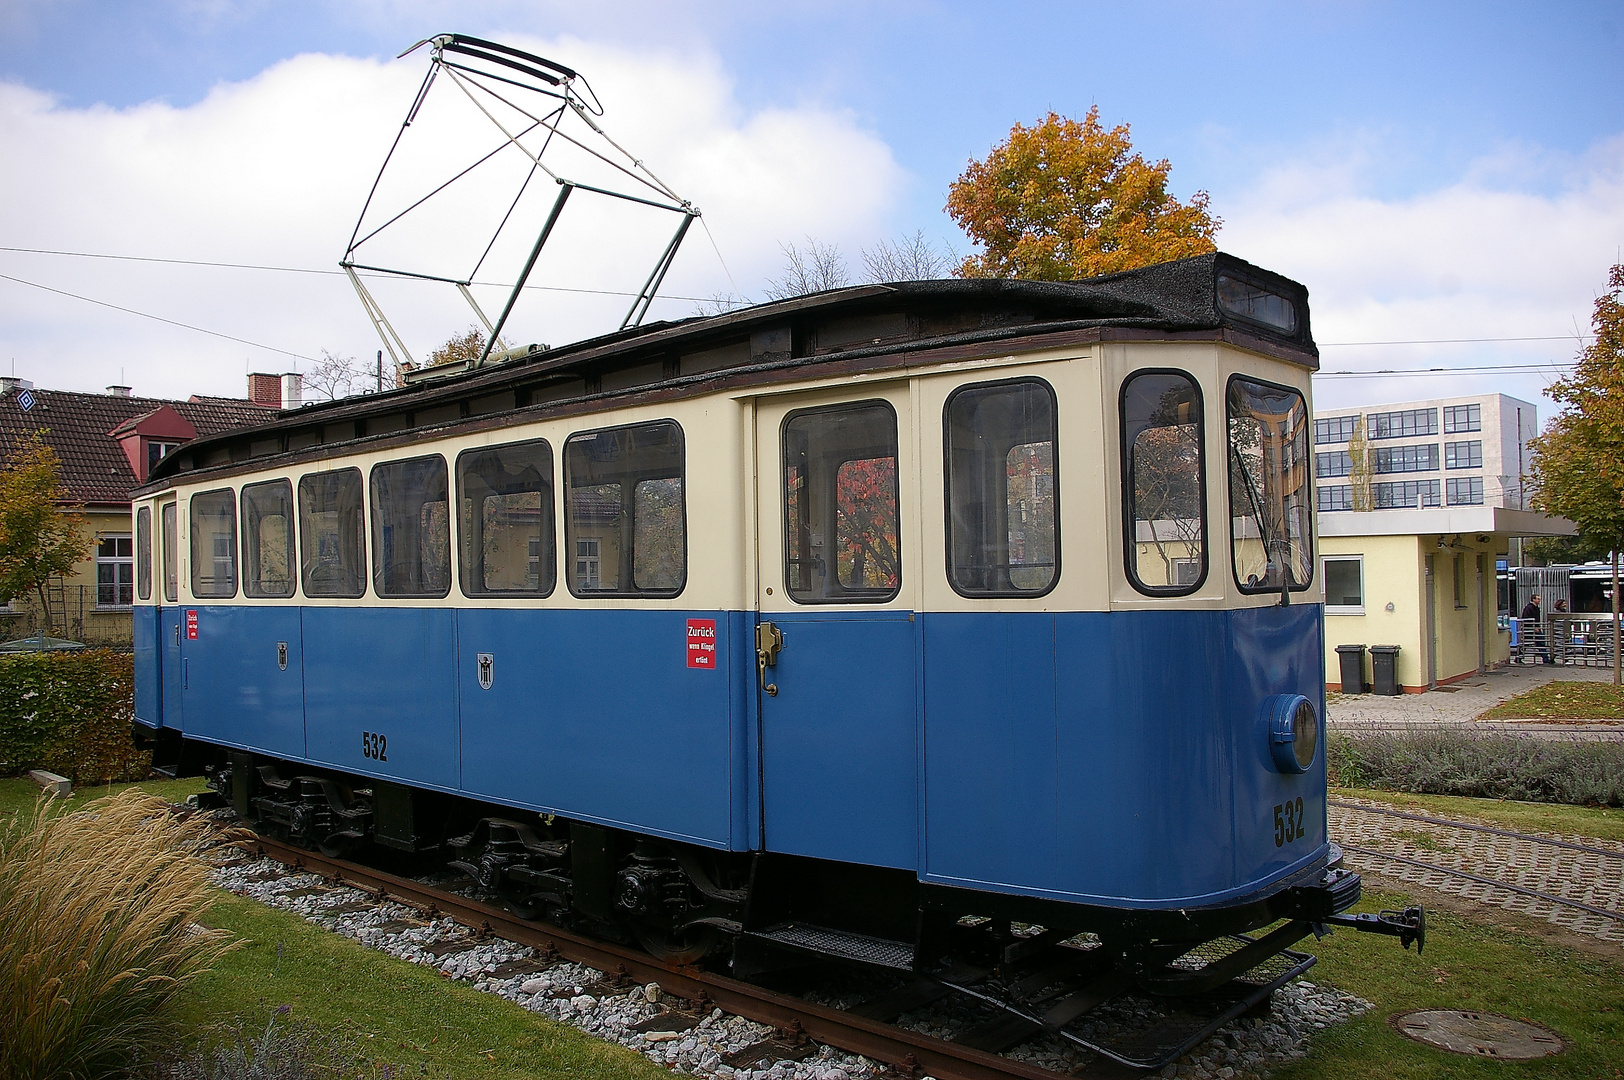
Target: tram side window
[(214, 543), (143, 553), (1002, 525), (841, 535), (332, 551), (1269, 495), (411, 528), (171, 552), (1163, 465), (267, 539), (505, 496), (625, 515)]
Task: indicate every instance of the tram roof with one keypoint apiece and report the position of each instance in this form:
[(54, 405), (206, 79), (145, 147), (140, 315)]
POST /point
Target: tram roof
[(865, 328)]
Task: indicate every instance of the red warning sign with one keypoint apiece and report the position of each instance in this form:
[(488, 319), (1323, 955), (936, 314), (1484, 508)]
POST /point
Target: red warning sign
[(191, 624), (702, 643)]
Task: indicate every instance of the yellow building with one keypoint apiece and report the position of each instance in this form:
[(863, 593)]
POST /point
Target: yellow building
[(106, 443), (1424, 580)]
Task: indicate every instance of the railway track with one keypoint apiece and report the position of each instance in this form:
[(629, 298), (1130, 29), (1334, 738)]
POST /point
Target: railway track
[(1562, 876), (1069, 982), (909, 1053)]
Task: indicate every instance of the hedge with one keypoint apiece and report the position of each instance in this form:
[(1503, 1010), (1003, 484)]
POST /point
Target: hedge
[(1449, 761), (70, 713)]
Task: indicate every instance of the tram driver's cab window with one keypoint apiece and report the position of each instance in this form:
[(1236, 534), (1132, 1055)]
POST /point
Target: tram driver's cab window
[(1163, 470), (1269, 492), (625, 512)]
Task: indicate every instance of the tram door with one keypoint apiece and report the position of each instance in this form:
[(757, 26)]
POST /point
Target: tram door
[(838, 567), (170, 614)]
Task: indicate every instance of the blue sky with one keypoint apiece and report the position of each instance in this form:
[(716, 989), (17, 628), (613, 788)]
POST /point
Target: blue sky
[(1428, 170)]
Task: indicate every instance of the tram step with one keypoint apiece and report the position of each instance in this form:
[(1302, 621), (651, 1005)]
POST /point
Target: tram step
[(840, 943)]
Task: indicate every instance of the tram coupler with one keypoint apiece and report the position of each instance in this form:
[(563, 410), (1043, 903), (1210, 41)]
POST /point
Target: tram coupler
[(1407, 925)]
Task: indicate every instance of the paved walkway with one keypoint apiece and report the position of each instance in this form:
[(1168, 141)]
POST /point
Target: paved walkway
[(1461, 703)]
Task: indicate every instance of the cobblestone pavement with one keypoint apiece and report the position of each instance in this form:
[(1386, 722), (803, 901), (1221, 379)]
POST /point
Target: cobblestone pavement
[(1582, 876), (1461, 703)]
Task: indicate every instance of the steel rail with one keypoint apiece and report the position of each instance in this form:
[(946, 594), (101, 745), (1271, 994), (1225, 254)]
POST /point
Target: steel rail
[(911, 1052), (1535, 893), (1476, 828)]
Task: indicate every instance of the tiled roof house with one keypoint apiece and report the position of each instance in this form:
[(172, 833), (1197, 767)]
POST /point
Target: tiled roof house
[(107, 443)]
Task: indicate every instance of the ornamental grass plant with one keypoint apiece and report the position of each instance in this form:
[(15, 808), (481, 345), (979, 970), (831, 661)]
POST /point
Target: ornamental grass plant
[(1446, 761), (98, 931)]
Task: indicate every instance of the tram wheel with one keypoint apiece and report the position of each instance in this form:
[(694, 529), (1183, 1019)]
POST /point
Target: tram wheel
[(678, 948)]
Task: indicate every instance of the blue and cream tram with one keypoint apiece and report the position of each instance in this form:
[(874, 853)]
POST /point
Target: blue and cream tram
[(827, 624)]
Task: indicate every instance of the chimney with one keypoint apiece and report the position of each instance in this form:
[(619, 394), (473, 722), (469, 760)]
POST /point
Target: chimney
[(8, 383), (265, 389), (292, 390), (119, 391)]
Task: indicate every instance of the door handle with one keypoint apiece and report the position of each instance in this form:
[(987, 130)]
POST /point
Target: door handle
[(769, 642)]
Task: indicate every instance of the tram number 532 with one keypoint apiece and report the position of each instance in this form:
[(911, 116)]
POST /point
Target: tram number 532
[(376, 747), (1288, 822)]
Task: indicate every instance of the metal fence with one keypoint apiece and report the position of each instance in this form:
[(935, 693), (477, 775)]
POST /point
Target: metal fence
[(75, 615), (1580, 640)]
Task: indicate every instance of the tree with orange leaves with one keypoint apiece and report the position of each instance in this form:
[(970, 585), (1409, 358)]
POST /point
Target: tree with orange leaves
[(1067, 199)]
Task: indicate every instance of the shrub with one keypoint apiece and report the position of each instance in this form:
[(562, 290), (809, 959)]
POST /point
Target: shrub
[(1450, 761), (99, 909), (70, 713)]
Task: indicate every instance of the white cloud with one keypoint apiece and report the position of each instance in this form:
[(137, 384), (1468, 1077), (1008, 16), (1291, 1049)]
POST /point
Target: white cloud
[(273, 170), (1481, 258)]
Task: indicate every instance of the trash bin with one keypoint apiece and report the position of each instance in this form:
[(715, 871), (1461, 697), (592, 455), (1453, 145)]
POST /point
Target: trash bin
[(1352, 658), (1384, 669)]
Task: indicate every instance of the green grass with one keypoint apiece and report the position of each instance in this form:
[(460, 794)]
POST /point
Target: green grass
[(399, 1014), (1466, 966), (1606, 823), (19, 794), (1562, 701)]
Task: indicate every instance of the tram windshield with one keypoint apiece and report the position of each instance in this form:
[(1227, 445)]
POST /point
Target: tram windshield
[(1269, 500)]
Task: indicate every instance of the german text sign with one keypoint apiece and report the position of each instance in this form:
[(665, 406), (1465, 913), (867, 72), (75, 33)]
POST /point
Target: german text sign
[(191, 625), (702, 643)]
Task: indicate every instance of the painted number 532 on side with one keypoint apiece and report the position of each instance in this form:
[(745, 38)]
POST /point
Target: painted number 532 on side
[(1288, 822)]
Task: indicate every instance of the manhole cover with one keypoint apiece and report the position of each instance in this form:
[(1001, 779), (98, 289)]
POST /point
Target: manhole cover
[(1481, 1034)]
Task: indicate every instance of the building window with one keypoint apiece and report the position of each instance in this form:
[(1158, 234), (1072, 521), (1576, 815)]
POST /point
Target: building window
[(589, 564), (115, 572), (1402, 459), (1462, 418), (156, 451), (1399, 425), (1334, 429), (1339, 497), (1463, 455), (1400, 494), (1465, 490), (1344, 584), (1335, 463)]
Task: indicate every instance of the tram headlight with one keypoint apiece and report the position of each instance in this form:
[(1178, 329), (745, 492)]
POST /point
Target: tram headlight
[(1293, 732)]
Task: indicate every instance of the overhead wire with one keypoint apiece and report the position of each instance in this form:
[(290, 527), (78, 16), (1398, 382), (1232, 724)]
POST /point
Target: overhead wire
[(160, 318), (332, 273)]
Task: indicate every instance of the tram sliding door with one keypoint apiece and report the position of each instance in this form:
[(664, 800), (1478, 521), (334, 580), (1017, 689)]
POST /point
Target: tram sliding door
[(167, 594), (837, 576)]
